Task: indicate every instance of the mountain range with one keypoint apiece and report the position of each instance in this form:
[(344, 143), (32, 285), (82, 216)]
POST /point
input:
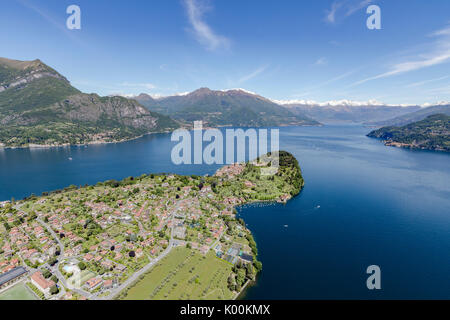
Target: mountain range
[(235, 107), (413, 116), (347, 111), (238, 107), (38, 106)]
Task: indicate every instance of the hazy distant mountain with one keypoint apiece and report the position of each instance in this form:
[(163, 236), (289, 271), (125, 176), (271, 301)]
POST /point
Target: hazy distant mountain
[(348, 111), (39, 106), (413, 117), (222, 108), (432, 133), (147, 101)]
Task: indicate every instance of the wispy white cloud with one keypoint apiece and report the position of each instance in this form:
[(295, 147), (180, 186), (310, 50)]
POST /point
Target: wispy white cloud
[(321, 61), (314, 89), (337, 78), (123, 89), (354, 7), (440, 53), (409, 66), (331, 13), (92, 85), (147, 86), (341, 9), (440, 90), (442, 32), (421, 83), (50, 19), (201, 30), (247, 77)]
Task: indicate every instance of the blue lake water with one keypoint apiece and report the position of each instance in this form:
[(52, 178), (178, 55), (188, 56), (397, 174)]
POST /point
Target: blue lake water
[(363, 204)]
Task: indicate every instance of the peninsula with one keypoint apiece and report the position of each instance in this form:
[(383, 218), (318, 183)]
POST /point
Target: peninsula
[(150, 237)]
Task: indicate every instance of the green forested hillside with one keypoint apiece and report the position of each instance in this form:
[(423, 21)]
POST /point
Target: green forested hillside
[(38, 93), (432, 133), (39, 106)]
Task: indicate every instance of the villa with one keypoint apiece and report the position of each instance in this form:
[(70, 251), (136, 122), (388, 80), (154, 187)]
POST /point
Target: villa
[(93, 283), (41, 283)]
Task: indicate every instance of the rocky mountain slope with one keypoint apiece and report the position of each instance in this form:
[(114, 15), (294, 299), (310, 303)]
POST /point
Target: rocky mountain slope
[(38, 106)]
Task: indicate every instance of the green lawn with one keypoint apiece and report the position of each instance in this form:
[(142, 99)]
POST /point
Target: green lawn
[(18, 292), (184, 274)]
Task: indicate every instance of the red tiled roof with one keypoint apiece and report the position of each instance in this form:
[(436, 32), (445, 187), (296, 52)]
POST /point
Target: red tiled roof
[(41, 281)]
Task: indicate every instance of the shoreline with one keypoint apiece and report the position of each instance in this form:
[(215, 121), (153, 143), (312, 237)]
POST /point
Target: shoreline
[(401, 145), (238, 295), (235, 217), (64, 145), (248, 283)]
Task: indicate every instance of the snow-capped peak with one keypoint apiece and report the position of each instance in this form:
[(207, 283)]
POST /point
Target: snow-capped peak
[(343, 103), (239, 89)]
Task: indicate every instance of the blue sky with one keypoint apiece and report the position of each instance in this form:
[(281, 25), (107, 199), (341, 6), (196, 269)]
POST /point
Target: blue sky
[(307, 50)]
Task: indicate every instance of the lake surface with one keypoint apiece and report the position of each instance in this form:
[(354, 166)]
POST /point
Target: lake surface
[(363, 204)]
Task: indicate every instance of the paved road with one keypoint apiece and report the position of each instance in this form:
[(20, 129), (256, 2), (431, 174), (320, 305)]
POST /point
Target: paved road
[(136, 275), (218, 239), (147, 267), (61, 245), (61, 258), (130, 280)]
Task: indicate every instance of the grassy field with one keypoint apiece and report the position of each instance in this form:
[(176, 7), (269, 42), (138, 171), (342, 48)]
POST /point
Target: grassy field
[(184, 274), (18, 292)]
